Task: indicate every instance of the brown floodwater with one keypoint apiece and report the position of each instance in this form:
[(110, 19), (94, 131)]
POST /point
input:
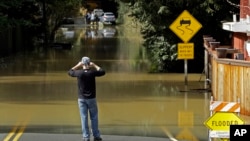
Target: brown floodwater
[(37, 93)]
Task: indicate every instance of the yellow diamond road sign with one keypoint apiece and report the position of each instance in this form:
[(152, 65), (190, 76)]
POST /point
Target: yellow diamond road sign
[(221, 121), (185, 26)]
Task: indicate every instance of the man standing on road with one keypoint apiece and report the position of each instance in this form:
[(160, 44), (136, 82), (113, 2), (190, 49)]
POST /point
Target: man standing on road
[(86, 71)]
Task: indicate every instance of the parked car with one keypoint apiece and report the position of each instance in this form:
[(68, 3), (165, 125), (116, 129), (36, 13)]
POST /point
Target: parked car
[(108, 18), (98, 12)]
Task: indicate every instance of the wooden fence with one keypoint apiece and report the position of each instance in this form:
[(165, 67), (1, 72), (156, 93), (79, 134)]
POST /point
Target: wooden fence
[(230, 80)]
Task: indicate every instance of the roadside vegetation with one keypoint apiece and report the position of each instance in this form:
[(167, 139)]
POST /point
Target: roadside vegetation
[(38, 20), (32, 21), (155, 17)]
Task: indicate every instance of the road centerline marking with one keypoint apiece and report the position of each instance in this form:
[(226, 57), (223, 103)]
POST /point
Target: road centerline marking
[(19, 133), (11, 133), (16, 132)]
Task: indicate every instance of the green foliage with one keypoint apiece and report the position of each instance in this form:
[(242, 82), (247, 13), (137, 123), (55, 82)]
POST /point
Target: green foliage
[(30, 13), (15, 13), (155, 17), (62, 8), (57, 10), (153, 29), (161, 54), (163, 10)]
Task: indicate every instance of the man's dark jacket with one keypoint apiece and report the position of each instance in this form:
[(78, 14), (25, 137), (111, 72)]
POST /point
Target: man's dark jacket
[(86, 82)]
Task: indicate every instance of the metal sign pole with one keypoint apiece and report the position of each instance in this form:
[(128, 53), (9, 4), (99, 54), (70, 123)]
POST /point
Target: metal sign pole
[(186, 71)]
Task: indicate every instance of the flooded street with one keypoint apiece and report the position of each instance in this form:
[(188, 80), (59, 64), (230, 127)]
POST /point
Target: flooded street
[(37, 93)]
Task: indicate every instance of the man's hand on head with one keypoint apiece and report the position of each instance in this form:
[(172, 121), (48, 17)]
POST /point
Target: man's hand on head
[(80, 64)]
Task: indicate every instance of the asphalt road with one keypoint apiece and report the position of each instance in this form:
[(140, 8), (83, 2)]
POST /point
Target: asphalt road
[(76, 137)]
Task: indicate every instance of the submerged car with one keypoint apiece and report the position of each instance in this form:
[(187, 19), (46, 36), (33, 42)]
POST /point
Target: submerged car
[(62, 45), (108, 18)]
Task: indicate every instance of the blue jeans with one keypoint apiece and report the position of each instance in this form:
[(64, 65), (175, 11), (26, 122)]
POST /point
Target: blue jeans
[(89, 106)]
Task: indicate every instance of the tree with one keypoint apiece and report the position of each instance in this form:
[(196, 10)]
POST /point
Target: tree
[(155, 17), (37, 17), (56, 11), (15, 12), (19, 23)]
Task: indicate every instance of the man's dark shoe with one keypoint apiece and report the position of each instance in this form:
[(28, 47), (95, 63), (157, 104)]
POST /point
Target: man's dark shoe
[(97, 139)]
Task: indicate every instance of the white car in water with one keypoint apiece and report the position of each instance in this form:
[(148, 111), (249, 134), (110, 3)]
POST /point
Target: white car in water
[(108, 18)]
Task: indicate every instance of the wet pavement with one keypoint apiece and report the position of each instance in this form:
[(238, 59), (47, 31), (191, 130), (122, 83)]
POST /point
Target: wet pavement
[(74, 137)]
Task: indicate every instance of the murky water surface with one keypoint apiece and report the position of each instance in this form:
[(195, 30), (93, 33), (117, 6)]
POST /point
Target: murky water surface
[(36, 92)]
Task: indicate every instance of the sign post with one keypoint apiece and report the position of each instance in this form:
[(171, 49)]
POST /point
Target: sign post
[(220, 122), (185, 27)]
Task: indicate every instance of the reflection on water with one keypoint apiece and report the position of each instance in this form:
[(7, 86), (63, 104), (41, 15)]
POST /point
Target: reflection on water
[(106, 32), (36, 91)]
